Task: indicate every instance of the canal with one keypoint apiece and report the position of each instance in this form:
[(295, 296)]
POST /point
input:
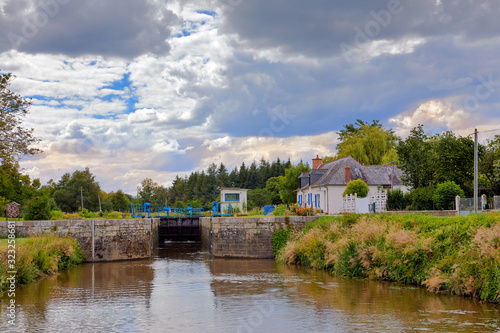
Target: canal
[(184, 289)]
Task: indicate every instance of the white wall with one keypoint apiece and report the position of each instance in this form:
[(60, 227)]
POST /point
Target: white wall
[(243, 199)]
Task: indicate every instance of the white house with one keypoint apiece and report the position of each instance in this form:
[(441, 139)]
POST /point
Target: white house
[(237, 197), (323, 187)]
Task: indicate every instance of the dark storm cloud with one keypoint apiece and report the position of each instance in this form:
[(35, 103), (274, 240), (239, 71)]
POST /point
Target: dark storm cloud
[(112, 27), (318, 28)]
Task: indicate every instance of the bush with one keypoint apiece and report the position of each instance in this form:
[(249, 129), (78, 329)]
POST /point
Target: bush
[(38, 209), (279, 210), (421, 198), (356, 186), (56, 215), (444, 196), (396, 200)]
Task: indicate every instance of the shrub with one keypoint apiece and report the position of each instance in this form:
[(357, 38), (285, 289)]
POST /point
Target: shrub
[(56, 215), (356, 186), (396, 200), (444, 196), (38, 209), (280, 210)]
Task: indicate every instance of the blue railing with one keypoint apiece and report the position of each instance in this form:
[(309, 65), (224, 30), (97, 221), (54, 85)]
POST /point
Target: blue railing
[(146, 209)]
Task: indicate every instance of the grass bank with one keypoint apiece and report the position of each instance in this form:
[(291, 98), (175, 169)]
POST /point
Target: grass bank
[(459, 255), (38, 256)]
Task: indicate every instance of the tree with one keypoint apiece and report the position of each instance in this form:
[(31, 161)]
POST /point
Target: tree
[(415, 159), (290, 182), (120, 201), (428, 160), (490, 158), (356, 187), (445, 193), (147, 189), (273, 186), (258, 198), (15, 140), (369, 144), (71, 188), (38, 209)]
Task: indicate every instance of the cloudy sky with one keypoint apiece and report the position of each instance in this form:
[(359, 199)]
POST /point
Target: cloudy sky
[(135, 89)]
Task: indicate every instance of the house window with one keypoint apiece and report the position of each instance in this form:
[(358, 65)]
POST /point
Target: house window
[(232, 197)]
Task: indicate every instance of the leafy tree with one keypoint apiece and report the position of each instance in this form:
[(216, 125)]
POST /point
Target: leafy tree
[(454, 160), (444, 196), (416, 159), (428, 160), (38, 209), (370, 144), (71, 188), (273, 186), (356, 186), (258, 198), (290, 182), (120, 201), (15, 141), (147, 189), (489, 164)]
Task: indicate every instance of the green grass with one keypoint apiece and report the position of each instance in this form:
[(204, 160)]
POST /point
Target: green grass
[(460, 255), (38, 256), (4, 243)]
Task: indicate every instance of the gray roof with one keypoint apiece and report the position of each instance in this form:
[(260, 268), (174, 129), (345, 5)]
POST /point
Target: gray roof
[(334, 173)]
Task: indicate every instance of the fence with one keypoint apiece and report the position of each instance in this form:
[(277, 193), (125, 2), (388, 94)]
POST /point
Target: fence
[(352, 204)]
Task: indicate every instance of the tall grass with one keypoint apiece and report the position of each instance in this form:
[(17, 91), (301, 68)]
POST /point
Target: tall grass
[(460, 255), (40, 256)]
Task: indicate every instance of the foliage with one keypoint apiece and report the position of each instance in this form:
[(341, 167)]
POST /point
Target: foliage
[(279, 210), (422, 198), (273, 186), (444, 196), (38, 209), (258, 198), (70, 189), (291, 182), (39, 256), (147, 189), (356, 186), (15, 140), (428, 160), (489, 164), (119, 200), (396, 200), (457, 254), (56, 215), (280, 239), (370, 144)]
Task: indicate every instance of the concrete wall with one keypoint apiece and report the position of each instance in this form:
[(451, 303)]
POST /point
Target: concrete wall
[(113, 239), (245, 237)]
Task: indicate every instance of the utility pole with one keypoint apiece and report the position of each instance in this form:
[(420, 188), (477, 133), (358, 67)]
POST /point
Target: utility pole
[(475, 171), (81, 195), (100, 210)]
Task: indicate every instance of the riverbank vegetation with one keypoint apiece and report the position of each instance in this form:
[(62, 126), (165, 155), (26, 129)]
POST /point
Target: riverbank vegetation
[(38, 256), (459, 255)]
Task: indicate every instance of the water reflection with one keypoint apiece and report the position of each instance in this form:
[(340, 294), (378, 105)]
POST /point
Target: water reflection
[(184, 289)]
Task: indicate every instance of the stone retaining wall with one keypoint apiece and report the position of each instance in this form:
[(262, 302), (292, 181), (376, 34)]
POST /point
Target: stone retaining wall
[(246, 237), (100, 240)]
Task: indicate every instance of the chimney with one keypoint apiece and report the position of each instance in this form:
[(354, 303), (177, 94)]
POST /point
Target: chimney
[(316, 162), (347, 173)]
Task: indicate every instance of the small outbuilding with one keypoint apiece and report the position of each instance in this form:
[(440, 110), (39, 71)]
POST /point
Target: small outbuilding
[(236, 197)]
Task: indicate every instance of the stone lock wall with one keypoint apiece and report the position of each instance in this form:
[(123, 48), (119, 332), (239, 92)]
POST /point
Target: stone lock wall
[(246, 237), (100, 240)]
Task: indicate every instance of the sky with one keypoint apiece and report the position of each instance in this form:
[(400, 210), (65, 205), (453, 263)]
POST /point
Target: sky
[(135, 89)]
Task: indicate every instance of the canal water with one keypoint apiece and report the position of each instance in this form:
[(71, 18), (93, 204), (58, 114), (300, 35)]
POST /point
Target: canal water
[(184, 289)]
